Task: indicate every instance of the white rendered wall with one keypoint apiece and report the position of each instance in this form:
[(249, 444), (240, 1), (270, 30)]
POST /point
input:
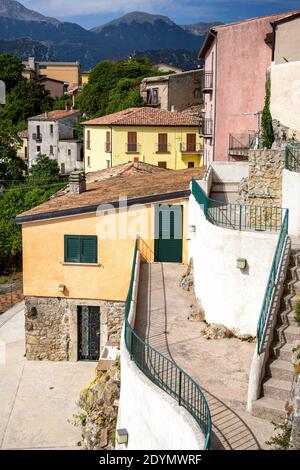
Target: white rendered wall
[(227, 294), (291, 199)]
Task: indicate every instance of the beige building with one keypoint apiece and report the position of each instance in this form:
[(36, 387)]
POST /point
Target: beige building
[(179, 91), (285, 76), (22, 151), (66, 72)]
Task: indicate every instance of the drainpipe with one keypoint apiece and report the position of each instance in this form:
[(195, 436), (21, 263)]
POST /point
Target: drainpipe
[(215, 93), (111, 160)]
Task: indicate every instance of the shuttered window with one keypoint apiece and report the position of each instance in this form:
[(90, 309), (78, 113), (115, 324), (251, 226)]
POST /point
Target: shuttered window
[(132, 142), (80, 249)]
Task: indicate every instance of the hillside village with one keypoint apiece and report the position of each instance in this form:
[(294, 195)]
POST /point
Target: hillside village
[(150, 248)]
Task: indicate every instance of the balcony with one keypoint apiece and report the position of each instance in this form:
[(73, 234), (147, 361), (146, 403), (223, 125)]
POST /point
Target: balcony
[(37, 137), (195, 148), (163, 148), (132, 147), (107, 147), (207, 127), (240, 144), (208, 80)]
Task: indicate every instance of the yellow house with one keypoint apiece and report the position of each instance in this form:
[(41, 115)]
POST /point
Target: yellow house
[(67, 72), (78, 249), (159, 137), (85, 78)]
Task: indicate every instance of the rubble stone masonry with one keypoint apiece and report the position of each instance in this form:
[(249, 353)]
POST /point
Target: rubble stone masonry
[(51, 326)]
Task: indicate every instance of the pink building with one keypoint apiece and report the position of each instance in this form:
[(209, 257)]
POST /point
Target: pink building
[(236, 57)]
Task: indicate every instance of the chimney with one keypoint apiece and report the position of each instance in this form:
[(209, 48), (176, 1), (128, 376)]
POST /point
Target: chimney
[(77, 184), (31, 63)]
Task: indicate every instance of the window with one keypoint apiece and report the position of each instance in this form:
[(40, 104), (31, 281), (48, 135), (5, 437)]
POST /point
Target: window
[(191, 164), (162, 143), (38, 149), (108, 163), (132, 142), (191, 142), (38, 131), (152, 96), (88, 140), (62, 168), (162, 164), (25, 153), (88, 161), (80, 249), (69, 152), (107, 142), (51, 150), (51, 129)]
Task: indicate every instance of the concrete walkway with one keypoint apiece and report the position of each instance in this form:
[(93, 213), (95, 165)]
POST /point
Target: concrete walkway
[(221, 367), (37, 398)]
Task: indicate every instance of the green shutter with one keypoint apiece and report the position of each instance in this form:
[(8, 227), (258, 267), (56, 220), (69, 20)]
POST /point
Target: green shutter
[(72, 249), (88, 249), (80, 249)]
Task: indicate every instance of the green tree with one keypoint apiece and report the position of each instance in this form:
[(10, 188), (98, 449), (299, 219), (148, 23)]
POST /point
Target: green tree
[(114, 86), (11, 166), (45, 169), (267, 135), (27, 99), (11, 69)]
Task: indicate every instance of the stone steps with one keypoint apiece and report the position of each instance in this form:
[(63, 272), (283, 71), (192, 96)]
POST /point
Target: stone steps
[(278, 389), (269, 408), (282, 370), (282, 352), (291, 333)]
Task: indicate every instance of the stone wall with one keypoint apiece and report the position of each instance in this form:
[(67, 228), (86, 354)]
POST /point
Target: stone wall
[(51, 326)]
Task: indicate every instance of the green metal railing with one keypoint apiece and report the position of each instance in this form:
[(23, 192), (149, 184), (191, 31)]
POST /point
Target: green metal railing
[(238, 216), (292, 158), (272, 283), (165, 373)]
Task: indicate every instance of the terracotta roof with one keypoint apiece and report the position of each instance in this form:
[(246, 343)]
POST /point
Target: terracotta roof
[(139, 187), (144, 117), (23, 134), (54, 115)]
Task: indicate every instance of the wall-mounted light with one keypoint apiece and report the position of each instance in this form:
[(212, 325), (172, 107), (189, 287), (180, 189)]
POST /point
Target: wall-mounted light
[(61, 287), (241, 263), (122, 436)]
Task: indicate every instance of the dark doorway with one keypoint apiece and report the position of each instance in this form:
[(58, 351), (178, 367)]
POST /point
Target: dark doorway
[(88, 333)]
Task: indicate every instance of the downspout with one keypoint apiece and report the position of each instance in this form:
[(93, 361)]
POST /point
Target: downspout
[(273, 40), (215, 93), (111, 160)]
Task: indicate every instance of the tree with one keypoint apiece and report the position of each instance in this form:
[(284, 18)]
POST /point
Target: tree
[(11, 166), (11, 69), (28, 98), (45, 169), (267, 135), (114, 86)]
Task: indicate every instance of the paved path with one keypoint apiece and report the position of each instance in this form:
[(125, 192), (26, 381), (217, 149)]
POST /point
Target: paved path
[(37, 398), (221, 367)]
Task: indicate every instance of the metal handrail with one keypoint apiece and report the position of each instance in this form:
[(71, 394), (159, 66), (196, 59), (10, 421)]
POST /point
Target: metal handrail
[(238, 216), (292, 159), (272, 283), (163, 372)]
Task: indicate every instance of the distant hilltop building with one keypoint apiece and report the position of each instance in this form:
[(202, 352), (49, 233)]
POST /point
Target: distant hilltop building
[(57, 77)]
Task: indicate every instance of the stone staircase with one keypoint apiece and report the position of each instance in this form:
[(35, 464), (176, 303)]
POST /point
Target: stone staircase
[(279, 376), (224, 191)]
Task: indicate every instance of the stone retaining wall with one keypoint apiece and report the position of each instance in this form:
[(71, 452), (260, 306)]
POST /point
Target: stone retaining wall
[(51, 326)]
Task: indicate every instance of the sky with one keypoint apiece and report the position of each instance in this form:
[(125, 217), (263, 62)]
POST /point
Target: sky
[(89, 13)]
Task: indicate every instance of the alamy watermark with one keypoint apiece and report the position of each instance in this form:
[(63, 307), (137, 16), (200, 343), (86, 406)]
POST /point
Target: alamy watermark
[(2, 92), (123, 222)]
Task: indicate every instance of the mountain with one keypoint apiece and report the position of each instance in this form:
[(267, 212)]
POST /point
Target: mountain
[(136, 31), (199, 29), (185, 60), (148, 31), (26, 47), (16, 11)]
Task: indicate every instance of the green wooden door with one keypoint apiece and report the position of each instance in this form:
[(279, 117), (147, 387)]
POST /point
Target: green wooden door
[(168, 233)]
